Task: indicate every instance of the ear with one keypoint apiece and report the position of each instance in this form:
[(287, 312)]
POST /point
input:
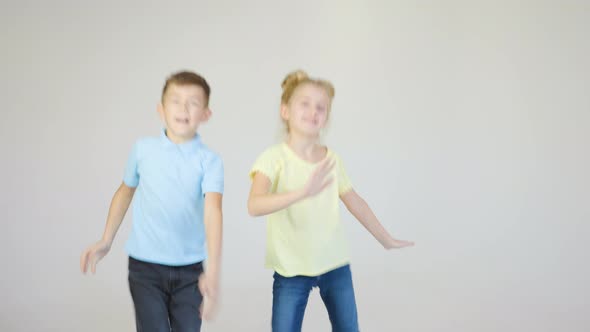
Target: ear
[(160, 109), (206, 115), (284, 112)]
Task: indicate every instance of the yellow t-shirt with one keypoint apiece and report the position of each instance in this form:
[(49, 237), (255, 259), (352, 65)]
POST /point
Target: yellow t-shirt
[(306, 238)]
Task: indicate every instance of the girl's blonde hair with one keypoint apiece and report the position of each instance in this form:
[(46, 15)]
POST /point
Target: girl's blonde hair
[(299, 77)]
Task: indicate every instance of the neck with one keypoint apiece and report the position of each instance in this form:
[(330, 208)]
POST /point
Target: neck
[(303, 145)]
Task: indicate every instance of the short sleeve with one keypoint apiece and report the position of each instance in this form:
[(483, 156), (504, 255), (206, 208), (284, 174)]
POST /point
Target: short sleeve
[(344, 184), (213, 177), (266, 164), (131, 176)]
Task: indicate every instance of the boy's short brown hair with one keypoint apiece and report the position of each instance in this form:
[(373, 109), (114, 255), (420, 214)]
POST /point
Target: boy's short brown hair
[(187, 78)]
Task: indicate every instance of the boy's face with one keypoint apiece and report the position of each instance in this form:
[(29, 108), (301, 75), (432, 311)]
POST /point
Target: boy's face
[(307, 111), (183, 109)]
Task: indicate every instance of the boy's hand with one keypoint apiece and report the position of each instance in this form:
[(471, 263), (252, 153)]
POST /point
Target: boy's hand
[(319, 179), (398, 244), (93, 254), (208, 287)]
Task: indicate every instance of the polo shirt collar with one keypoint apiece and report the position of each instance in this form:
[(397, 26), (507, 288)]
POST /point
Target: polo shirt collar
[(190, 144)]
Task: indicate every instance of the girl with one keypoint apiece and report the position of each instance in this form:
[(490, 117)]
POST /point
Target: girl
[(298, 184)]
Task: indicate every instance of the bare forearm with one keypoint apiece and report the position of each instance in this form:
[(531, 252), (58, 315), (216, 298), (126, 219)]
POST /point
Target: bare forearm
[(363, 213), (213, 219), (213, 232), (263, 204), (118, 209)]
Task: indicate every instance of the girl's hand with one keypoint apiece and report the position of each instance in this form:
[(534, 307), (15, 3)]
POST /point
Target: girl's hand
[(319, 179), (397, 244)]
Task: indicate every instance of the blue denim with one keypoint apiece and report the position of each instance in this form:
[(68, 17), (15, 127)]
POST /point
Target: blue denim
[(166, 298), (290, 296)]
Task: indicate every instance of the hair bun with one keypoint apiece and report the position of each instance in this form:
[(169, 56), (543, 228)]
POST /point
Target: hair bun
[(293, 79)]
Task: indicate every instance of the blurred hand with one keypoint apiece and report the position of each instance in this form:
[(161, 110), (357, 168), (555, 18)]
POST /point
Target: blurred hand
[(398, 244), (319, 179), (93, 254), (208, 287)]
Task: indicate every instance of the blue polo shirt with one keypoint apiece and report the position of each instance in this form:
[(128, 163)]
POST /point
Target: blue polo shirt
[(171, 181)]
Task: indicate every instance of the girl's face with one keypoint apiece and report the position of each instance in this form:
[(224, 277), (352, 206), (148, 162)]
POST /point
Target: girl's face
[(307, 111)]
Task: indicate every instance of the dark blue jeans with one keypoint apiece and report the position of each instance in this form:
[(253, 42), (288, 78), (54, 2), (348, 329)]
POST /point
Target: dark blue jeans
[(290, 296), (166, 298)]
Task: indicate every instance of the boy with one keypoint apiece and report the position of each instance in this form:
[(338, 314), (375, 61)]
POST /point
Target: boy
[(178, 185)]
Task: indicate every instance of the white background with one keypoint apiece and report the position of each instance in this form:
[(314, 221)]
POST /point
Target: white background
[(464, 124)]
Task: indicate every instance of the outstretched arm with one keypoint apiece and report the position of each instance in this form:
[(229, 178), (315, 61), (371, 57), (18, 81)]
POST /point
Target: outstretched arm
[(117, 211), (363, 213)]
